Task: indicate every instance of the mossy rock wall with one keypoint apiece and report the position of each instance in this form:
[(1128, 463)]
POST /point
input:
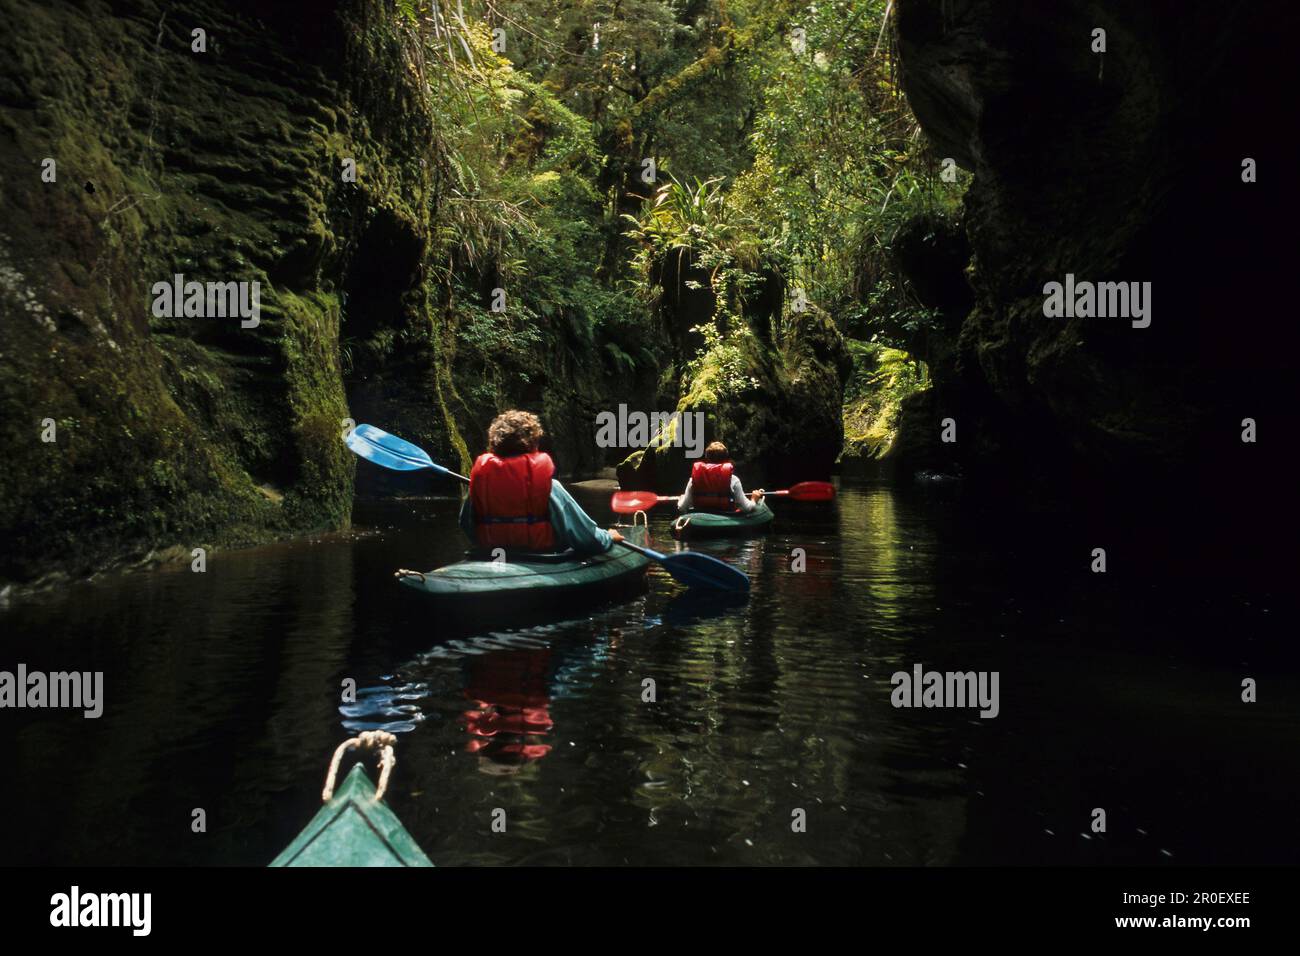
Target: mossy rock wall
[(223, 166), (1119, 166)]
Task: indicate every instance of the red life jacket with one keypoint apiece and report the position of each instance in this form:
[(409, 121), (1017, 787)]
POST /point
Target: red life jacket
[(512, 498), (711, 486)]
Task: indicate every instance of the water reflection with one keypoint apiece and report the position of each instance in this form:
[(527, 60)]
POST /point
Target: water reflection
[(391, 708), (509, 718), (691, 607), (677, 727)]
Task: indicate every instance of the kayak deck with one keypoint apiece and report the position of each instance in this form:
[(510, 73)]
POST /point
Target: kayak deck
[(717, 524), (534, 576), (353, 829)]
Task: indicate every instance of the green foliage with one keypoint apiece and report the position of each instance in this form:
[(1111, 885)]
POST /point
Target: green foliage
[(840, 163), (720, 370), (882, 378), (524, 212), (876, 366), (774, 162), (833, 165), (621, 63), (696, 218), (889, 313), (683, 216)]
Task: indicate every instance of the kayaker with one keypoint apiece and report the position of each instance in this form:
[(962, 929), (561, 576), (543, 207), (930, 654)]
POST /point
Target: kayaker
[(713, 485), (515, 502)]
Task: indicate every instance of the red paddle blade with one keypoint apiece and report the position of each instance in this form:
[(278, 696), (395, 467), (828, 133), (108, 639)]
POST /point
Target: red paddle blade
[(630, 502), (812, 491)]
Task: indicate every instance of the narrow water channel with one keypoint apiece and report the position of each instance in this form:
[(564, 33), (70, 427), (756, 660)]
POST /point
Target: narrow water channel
[(223, 694)]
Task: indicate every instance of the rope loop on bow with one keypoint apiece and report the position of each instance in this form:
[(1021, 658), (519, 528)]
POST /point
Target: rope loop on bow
[(380, 740)]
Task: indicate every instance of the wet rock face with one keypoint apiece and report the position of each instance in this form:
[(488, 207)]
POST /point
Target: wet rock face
[(933, 252), (224, 165), (1121, 166)]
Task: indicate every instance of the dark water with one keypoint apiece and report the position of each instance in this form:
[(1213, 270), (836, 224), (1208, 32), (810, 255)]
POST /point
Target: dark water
[(1119, 691)]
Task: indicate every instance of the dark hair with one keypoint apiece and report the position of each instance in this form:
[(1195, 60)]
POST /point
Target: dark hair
[(716, 452), (514, 433)]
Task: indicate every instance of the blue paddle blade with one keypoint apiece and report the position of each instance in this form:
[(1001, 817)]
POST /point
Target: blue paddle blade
[(389, 451), (368, 436), (386, 450), (695, 569)]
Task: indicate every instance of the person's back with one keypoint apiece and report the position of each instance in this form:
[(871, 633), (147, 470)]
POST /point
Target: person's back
[(511, 496), (515, 502), (713, 485)]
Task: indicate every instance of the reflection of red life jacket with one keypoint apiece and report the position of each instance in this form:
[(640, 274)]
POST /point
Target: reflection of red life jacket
[(509, 691), (711, 485), (512, 498), (489, 723)]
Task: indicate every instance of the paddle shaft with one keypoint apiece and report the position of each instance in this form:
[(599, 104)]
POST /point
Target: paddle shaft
[(652, 555), (626, 502)]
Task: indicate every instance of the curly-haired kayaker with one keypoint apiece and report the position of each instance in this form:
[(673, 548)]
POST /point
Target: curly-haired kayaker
[(713, 486), (515, 502)]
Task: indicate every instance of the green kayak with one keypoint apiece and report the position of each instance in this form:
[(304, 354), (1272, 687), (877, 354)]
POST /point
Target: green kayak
[(534, 578), (353, 829), (719, 524)]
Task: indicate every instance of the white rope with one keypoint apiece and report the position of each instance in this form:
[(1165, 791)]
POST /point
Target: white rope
[(380, 740)]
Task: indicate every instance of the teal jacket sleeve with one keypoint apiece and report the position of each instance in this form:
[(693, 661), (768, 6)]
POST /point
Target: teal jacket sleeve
[(467, 521), (574, 528)]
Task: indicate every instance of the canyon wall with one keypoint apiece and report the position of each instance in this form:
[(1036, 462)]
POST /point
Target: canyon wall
[(1124, 165)]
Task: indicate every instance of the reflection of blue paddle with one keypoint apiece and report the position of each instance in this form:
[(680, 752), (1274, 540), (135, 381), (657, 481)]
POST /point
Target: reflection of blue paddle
[(691, 607), (692, 568)]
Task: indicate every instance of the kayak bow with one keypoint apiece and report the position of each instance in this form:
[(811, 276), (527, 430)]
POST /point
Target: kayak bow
[(354, 827), (718, 524)]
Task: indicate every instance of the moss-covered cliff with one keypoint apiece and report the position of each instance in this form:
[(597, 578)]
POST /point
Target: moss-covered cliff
[(225, 166), (134, 148)]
